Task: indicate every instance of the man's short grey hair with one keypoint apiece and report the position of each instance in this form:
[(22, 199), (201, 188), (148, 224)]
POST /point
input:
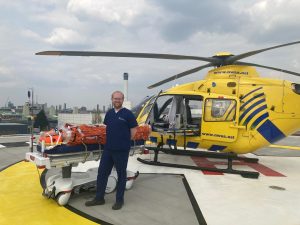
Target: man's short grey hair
[(112, 95)]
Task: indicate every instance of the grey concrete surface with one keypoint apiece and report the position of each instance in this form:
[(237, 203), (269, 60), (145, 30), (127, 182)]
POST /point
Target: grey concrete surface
[(14, 138), (280, 152), (9, 156), (154, 199), (288, 141)]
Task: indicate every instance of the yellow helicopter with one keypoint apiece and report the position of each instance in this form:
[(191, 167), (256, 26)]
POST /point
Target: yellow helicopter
[(232, 111)]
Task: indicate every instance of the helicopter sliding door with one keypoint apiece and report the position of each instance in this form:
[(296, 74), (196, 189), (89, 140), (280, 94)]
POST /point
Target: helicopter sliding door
[(176, 112), (219, 119)]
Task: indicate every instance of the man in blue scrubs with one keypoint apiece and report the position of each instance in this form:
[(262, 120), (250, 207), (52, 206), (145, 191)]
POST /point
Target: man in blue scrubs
[(120, 129)]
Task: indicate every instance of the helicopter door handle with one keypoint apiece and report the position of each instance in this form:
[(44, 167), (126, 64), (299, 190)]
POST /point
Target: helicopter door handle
[(238, 127)]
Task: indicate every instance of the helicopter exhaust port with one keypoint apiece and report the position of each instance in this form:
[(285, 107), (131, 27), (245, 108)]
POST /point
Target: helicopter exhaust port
[(296, 88)]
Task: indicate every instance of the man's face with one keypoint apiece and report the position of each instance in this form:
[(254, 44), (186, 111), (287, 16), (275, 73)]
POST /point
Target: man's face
[(117, 100)]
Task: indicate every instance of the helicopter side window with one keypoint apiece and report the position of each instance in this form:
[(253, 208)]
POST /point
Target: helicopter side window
[(193, 111), (161, 110), (220, 110)]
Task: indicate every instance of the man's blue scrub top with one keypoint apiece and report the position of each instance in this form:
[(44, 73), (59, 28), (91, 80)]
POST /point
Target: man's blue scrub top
[(118, 127)]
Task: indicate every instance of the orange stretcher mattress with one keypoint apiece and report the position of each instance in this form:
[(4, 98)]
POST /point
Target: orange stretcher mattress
[(81, 136)]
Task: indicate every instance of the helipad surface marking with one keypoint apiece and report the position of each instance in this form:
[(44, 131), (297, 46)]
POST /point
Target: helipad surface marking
[(256, 166), (22, 203)]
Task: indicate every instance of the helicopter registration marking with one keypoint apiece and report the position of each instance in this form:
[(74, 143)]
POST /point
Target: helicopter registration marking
[(256, 166)]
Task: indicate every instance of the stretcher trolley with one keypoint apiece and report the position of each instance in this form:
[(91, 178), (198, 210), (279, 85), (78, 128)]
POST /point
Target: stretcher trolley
[(61, 186), (73, 147)]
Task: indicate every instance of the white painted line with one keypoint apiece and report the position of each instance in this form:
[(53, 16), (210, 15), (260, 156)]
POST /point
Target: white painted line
[(2, 146), (34, 144)]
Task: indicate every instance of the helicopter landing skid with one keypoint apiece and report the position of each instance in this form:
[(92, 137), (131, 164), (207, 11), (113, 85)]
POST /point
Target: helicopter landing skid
[(229, 156)]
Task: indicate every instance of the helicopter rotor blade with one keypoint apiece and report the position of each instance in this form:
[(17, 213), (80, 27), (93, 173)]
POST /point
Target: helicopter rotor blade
[(196, 69), (234, 58), (267, 67), (129, 54)]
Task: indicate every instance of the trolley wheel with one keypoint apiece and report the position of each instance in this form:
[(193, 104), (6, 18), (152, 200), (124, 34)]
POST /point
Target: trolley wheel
[(45, 193), (43, 178), (62, 198)]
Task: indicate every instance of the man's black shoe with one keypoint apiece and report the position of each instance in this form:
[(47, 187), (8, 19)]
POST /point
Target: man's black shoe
[(95, 202), (117, 205)]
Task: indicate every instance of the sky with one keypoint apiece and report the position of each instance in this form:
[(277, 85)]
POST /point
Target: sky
[(188, 27)]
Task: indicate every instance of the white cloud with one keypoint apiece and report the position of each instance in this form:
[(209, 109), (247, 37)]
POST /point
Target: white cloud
[(57, 17), (8, 78), (120, 11), (4, 70), (63, 36), (271, 13), (30, 34)]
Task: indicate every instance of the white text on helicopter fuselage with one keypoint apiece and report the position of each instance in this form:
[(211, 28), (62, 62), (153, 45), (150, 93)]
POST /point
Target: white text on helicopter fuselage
[(231, 72)]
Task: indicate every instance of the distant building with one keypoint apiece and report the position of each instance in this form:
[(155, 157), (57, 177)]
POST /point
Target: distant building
[(75, 110), (52, 111), (13, 128), (10, 117), (26, 110), (35, 109), (56, 115), (97, 118), (9, 113), (83, 109), (68, 110), (10, 105), (74, 118)]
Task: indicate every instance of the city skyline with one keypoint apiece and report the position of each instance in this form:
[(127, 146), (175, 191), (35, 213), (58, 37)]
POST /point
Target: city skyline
[(61, 107), (8, 103)]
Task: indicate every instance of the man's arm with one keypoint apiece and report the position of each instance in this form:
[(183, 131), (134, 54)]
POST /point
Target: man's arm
[(133, 132)]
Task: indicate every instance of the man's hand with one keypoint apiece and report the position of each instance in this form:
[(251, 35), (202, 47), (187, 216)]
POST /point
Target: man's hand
[(133, 132)]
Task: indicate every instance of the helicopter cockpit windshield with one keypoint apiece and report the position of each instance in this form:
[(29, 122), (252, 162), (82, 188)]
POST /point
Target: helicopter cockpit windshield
[(173, 112), (137, 108)]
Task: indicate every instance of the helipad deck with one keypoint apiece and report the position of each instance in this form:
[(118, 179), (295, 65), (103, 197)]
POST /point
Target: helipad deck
[(162, 195)]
